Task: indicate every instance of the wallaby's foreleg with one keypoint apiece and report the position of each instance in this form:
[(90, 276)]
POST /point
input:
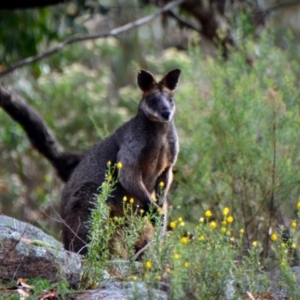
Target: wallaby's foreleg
[(131, 180)]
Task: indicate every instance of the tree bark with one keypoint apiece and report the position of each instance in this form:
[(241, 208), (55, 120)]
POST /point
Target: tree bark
[(40, 136)]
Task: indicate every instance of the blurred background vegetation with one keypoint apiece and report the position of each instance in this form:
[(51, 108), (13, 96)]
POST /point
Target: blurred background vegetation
[(237, 101)]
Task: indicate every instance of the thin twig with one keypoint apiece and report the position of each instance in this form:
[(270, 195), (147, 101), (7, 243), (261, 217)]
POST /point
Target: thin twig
[(184, 22), (135, 257), (74, 39), (142, 250), (62, 221)]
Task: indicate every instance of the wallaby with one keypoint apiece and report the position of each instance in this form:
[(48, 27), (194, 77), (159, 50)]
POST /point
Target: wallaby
[(147, 146)]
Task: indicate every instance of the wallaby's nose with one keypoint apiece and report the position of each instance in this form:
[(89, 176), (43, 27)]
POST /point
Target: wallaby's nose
[(166, 114)]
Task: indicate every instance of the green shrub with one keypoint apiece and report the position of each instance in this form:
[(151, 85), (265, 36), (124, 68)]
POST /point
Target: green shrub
[(238, 127)]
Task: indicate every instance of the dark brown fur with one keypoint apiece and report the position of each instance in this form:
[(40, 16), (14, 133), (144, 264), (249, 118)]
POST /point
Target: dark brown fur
[(147, 147)]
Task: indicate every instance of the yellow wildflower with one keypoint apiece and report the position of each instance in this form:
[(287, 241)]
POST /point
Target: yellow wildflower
[(294, 245), (131, 201), (173, 225), (230, 219), (148, 264), (225, 211), (124, 198), (208, 214), (119, 165), (274, 237), (184, 240), (254, 244), (213, 224), (242, 230), (294, 224), (161, 184), (186, 264), (180, 220), (298, 205), (201, 238)]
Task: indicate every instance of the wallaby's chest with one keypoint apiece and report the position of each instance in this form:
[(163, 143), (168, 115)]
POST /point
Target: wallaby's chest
[(157, 156)]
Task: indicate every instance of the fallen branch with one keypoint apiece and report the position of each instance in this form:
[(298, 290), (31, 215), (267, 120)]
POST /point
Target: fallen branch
[(74, 39), (40, 136)]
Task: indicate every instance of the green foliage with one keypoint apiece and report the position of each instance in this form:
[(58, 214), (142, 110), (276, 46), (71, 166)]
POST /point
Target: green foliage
[(111, 236), (91, 101), (102, 229), (29, 28), (26, 32), (238, 130), (209, 262)]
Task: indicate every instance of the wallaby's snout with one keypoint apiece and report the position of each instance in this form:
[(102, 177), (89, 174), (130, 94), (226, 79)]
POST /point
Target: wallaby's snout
[(166, 114), (166, 109), (157, 102)]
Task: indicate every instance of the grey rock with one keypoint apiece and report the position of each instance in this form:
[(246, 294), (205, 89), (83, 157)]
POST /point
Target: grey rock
[(124, 291), (13, 229), (26, 251), (230, 290), (285, 287)]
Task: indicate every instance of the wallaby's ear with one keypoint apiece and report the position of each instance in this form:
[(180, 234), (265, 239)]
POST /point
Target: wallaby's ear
[(170, 80), (145, 80)]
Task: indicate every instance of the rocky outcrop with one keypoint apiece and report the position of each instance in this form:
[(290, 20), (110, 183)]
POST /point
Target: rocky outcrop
[(26, 251), (123, 291)]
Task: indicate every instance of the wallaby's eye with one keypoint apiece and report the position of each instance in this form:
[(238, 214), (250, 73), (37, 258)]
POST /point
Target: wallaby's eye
[(171, 100)]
